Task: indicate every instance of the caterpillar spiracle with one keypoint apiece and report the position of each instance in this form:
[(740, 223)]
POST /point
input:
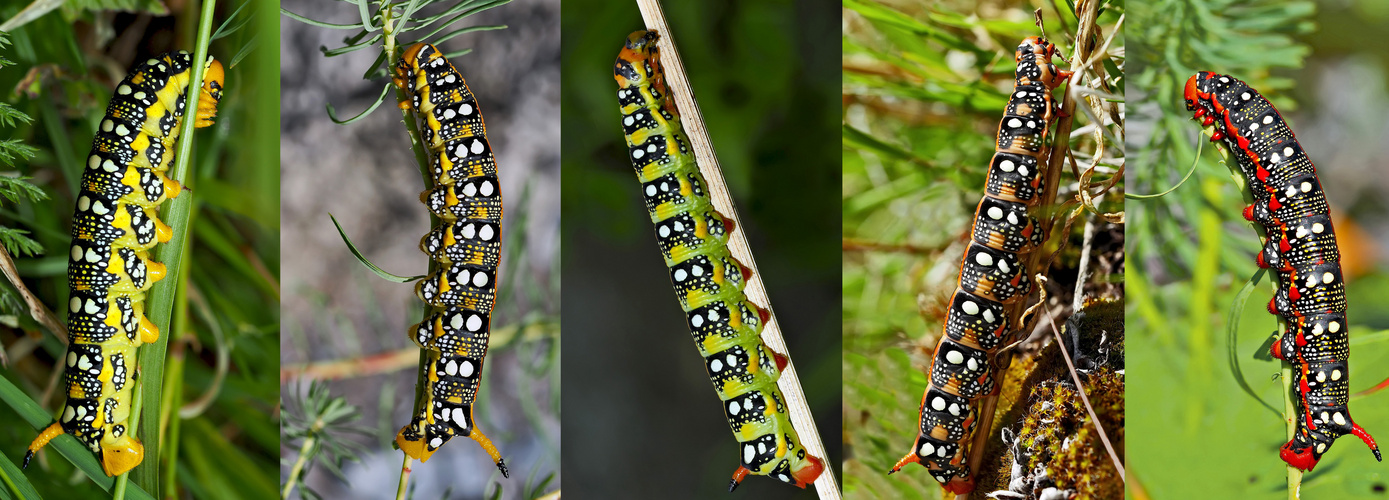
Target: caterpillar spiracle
[(708, 280), (465, 246), (114, 227), (992, 274), (1301, 247)]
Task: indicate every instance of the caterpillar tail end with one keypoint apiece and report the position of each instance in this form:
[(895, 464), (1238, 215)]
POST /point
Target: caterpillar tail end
[(738, 477), (911, 458), (46, 435), (1367, 438), (491, 450)]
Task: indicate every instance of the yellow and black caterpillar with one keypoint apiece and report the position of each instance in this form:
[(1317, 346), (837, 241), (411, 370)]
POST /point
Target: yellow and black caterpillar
[(466, 246), (114, 227), (708, 281)]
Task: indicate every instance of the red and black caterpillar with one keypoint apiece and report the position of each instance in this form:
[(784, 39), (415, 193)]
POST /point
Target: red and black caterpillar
[(708, 280), (466, 246), (992, 274), (115, 225), (1301, 248)]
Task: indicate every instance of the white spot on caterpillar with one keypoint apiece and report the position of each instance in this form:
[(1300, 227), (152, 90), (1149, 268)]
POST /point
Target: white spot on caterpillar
[(1268, 119), (988, 316), (1003, 266), (477, 147), (474, 323), (651, 190), (1334, 326), (486, 233), (480, 280), (1245, 96), (1007, 165), (663, 231), (628, 121), (451, 368), (971, 364), (1288, 151), (468, 231), (1253, 127), (984, 259), (436, 442), (465, 368), (1317, 227), (1328, 278), (955, 411), (938, 404), (1023, 170), (1338, 418), (954, 357), (927, 449), (680, 275), (969, 307), (697, 271), (697, 321), (637, 153), (123, 90), (106, 126), (84, 363), (74, 305), (466, 109), (733, 408), (72, 359), (748, 453), (1275, 158), (456, 321), (68, 413), (716, 366), (1336, 374), (995, 213), (108, 166), (1013, 218), (1014, 123), (487, 188), (92, 256), (93, 161), (1321, 376), (91, 307)]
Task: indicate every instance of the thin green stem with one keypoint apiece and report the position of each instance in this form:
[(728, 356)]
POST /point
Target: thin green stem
[(300, 462), (404, 483), (178, 214)]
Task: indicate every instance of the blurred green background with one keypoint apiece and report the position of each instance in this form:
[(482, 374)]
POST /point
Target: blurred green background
[(222, 442), (642, 420), (924, 86), (1196, 432)]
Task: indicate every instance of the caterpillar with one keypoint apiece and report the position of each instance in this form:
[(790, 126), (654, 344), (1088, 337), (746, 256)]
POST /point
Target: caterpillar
[(466, 246), (114, 226), (1301, 247), (708, 280), (992, 274)]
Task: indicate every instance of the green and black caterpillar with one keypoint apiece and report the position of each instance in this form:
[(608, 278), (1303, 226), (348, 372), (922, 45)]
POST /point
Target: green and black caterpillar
[(693, 238), (1301, 248), (114, 227), (992, 274), (466, 246)]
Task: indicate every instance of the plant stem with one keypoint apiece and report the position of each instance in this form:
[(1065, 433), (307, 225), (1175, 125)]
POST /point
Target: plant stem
[(301, 461), (402, 486), (178, 214)]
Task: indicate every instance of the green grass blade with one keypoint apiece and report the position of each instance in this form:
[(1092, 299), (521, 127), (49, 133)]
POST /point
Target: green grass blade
[(362, 258)]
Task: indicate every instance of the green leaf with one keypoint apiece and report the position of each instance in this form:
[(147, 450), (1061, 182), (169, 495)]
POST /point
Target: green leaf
[(361, 258)]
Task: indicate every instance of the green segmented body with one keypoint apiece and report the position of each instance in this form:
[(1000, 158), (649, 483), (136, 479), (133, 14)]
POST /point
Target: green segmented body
[(708, 280)]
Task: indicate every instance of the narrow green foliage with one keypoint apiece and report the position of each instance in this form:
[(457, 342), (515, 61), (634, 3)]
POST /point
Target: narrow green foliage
[(321, 427)]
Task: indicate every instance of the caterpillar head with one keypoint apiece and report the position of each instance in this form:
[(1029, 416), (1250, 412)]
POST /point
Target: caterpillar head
[(1033, 56), (121, 454), (1197, 95), (639, 62), (214, 77)]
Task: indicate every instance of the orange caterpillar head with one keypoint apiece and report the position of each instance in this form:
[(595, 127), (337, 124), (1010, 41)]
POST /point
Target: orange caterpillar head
[(214, 77), (640, 61), (1033, 56)]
